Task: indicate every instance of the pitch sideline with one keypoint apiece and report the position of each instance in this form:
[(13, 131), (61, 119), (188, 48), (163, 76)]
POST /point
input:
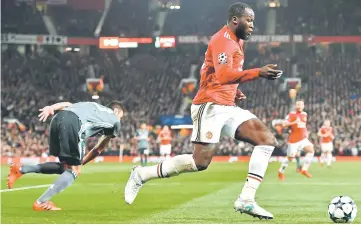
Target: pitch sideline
[(24, 188)]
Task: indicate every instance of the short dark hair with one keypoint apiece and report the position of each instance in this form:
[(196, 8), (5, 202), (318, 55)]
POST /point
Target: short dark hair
[(237, 9), (116, 105)]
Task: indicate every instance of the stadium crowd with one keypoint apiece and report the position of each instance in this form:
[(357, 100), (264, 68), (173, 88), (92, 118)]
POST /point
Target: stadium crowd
[(26, 87), (133, 18)]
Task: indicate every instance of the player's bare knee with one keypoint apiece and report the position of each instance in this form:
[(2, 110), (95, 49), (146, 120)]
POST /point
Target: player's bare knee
[(201, 167), (269, 140), (309, 149), (203, 154), (202, 163), (75, 169)]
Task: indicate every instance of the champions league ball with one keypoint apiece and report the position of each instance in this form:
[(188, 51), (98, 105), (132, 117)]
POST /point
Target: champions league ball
[(342, 209)]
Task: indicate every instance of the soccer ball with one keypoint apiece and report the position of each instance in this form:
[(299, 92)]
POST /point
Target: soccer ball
[(342, 209)]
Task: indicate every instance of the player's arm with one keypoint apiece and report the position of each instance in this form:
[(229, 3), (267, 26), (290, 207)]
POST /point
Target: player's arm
[(137, 136), (319, 133), (331, 134), (49, 110), (60, 105), (223, 54), (98, 148), (223, 63), (288, 123)]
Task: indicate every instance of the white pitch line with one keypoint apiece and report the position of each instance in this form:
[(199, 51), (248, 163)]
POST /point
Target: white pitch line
[(25, 188), (179, 183)]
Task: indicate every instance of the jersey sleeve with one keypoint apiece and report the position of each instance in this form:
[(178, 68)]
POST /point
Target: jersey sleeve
[(289, 118), (113, 132), (222, 56)]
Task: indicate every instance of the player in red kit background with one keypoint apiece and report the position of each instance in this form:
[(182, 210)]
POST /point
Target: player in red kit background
[(215, 114), (297, 140), (326, 135), (165, 138)]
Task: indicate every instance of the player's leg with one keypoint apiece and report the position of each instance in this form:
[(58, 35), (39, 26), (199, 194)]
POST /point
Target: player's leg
[(329, 154), (141, 155), (323, 154), (69, 175), (309, 153), (329, 158), (282, 169), (170, 167), (292, 151), (17, 170), (254, 132), (198, 161), (298, 162), (168, 151), (71, 153), (146, 154)]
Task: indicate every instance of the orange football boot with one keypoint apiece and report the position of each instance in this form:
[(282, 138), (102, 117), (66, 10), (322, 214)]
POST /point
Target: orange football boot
[(306, 173), (281, 176), (14, 174), (45, 206)]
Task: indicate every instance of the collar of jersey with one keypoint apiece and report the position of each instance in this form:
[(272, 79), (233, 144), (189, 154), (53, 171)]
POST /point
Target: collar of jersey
[(230, 32)]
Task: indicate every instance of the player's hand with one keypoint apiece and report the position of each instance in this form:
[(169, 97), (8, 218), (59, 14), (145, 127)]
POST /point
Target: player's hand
[(297, 121), (269, 72), (239, 96), (45, 113)]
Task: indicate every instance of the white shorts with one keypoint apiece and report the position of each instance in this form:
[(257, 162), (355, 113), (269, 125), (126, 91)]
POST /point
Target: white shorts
[(327, 147), (211, 121), (294, 148), (165, 149)]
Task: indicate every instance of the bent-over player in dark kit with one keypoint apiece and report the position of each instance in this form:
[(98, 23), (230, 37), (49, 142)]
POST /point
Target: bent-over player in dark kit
[(68, 130)]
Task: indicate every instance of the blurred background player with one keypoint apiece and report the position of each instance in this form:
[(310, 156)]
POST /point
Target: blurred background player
[(297, 140), (326, 134), (69, 129), (142, 137), (165, 138), (215, 114)]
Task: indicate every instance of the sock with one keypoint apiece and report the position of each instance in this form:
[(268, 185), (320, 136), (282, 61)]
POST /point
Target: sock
[(284, 165), (169, 167), (145, 160), (329, 159), (322, 158), (307, 161), (257, 168), (298, 162), (63, 181), (45, 168), (141, 160)]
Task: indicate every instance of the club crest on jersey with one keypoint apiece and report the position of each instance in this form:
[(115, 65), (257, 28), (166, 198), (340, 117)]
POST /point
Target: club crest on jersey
[(222, 58), (209, 135)]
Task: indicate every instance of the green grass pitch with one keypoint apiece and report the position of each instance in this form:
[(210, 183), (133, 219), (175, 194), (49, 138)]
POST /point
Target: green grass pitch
[(205, 197)]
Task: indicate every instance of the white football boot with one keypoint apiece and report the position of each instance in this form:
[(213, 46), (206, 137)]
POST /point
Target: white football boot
[(251, 208), (133, 185)]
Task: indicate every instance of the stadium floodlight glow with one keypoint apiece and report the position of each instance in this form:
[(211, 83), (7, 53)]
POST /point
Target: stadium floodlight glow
[(272, 5), (174, 7)]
